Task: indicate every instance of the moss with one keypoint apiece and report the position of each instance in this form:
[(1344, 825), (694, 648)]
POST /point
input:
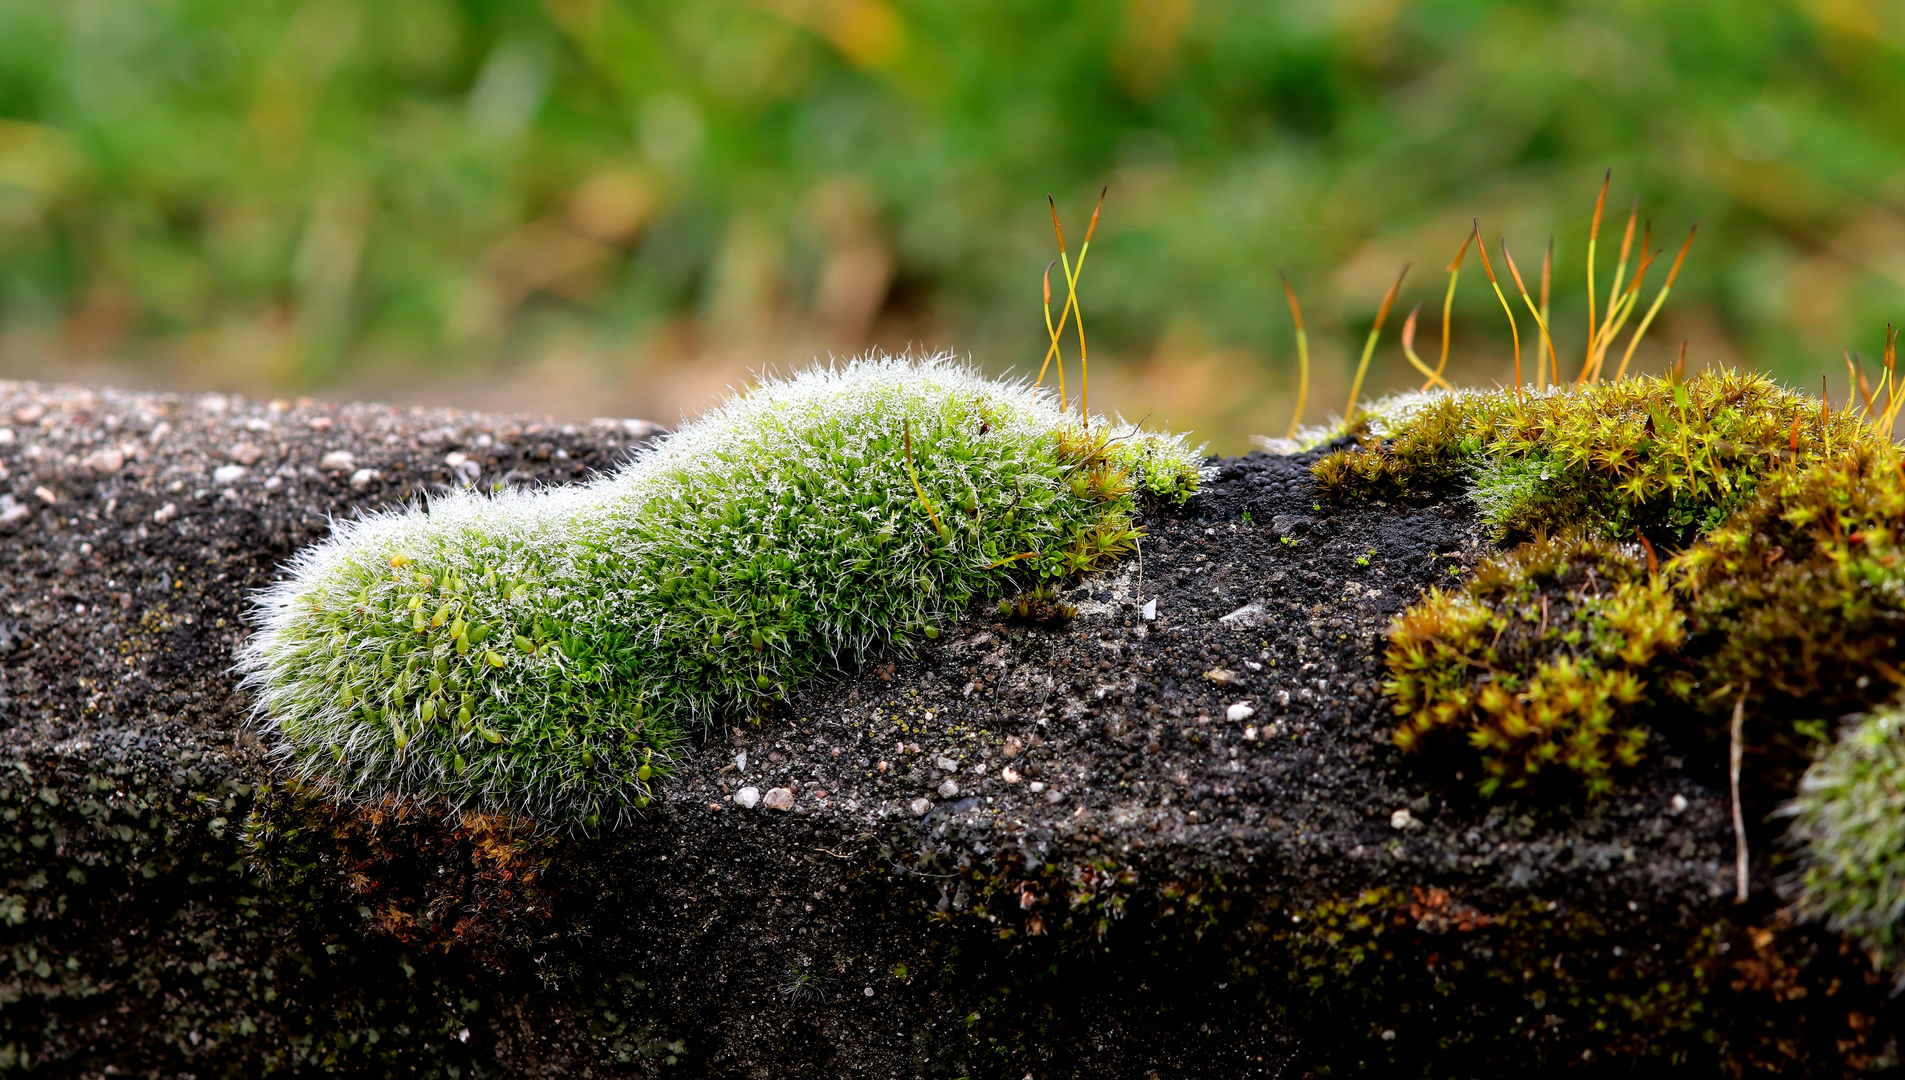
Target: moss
[(1666, 458), (1797, 604), (1785, 602), (1540, 664), (1428, 448), (1849, 820), (1429, 979), (539, 655), (1787, 513)]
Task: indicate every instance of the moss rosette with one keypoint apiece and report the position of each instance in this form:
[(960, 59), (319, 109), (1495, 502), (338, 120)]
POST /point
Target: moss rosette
[(540, 653)]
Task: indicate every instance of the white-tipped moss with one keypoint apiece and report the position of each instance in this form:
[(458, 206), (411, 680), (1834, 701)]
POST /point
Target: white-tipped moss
[(541, 653), (1849, 820)]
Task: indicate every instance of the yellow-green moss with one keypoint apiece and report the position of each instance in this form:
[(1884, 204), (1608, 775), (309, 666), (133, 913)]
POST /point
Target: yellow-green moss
[(1540, 664)]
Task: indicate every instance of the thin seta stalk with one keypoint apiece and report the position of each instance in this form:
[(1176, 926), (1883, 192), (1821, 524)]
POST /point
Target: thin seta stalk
[(1071, 304), (1553, 366), (1302, 357), (1448, 306), (1409, 350), (1369, 346), (1889, 381), (1513, 327), (1540, 322), (1594, 236), (1053, 334), (1621, 302), (1659, 299)]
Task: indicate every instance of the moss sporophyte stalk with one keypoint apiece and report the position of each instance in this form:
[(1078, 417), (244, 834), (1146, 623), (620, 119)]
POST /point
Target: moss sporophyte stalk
[(542, 653)]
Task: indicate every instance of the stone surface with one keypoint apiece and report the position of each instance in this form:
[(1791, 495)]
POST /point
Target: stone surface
[(1150, 886)]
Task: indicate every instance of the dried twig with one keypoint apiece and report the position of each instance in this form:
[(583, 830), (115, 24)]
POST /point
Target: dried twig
[(1739, 816)]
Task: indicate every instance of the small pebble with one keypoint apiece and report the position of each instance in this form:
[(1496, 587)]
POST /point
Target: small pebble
[(12, 511), (1402, 819), (1009, 774), (104, 462), (747, 798), (1037, 786), (228, 474), (337, 461), (363, 478), (868, 991), (920, 806), (883, 766), (245, 453), (165, 513), (1250, 615), (6, 436), (945, 764), (1054, 796), (740, 761), (1242, 710), (949, 789), (779, 798), (1222, 675), (45, 495), (1678, 803), (1150, 610), (1013, 745)]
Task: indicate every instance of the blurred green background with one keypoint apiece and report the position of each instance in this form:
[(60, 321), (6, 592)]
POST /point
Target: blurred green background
[(600, 207)]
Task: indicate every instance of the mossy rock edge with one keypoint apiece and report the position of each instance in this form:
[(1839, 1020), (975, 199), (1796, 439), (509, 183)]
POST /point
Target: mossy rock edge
[(1278, 893)]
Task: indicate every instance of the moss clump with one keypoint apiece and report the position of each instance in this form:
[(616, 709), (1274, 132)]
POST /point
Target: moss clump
[(539, 654), (1407, 449), (1849, 818), (1668, 458), (1784, 595), (1541, 663), (1798, 603)]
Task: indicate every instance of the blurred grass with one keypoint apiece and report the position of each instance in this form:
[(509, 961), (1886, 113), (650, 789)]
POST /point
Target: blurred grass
[(600, 206)]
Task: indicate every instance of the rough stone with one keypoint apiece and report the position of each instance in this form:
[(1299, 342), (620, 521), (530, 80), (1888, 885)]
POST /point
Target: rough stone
[(1161, 891)]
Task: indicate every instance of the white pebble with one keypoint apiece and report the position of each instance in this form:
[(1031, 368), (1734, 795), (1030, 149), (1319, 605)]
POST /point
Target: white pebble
[(1678, 803), (920, 806), (6, 436), (1054, 796), (363, 478), (1037, 786), (945, 764), (245, 453), (165, 513), (747, 798), (779, 798), (338, 461), (1150, 610), (229, 474), (949, 789), (105, 462), (1009, 774), (1240, 711), (1402, 819), (740, 761)]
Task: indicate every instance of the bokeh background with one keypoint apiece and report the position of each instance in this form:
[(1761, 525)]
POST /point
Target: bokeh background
[(620, 207)]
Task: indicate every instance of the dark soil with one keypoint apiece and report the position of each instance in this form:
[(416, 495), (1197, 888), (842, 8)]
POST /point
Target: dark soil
[(1114, 846)]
